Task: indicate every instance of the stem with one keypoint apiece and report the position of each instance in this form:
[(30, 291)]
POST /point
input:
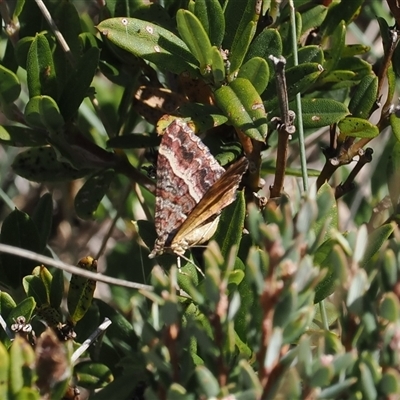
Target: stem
[(60, 38), (72, 269), (285, 126), (299, 114), (89, 341), (365, 158)]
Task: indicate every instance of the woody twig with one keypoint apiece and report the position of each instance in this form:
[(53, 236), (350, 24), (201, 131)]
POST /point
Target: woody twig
[(348, 185), (285, 126)]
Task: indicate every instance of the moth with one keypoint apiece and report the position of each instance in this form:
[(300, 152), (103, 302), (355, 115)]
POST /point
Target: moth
[(191, 190)]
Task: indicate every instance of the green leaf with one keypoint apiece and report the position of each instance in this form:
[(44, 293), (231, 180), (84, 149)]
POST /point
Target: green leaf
[(337, 390), (395, 60), (238, 15), (321, 112), (121, 388), (243, 106), (307, 54), (208, 384), (42, 217), (394, 124), (7, 304), (357, 49), (20, 136), (22, 50), (344, 11), (389, 270), (333, 55), (313, 18), (267, 43), (256, 70), (70, 25), (393, 173), (211, 16), (45, 277), (224, 153), (274, 347), (230, 227), (367, 383), (42, 112), (10, 87), (152, 12), (204, 116), (4, 372), (298, 80), (217, 65), (121, 329), (389, 307), (250, 378), (91, 193), (286, 33), (355, 64), (322, 376), (178, 392), (40, 164), (78, 84), (188, 279), (18, 230), (336, 79), (35, 288), (240, 47), (18, 8), (24, 309), (376, 240), (192, 32), (364, 97), (389, 384), (327, 210), (150, 42), (37, 285), (22, 357), (81, 290), (41, 74), (391, 81), (57, 288), (357, 127), (92, 375), (331, 256)]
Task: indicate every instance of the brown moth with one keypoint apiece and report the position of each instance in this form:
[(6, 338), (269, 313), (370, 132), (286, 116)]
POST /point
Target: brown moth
[(192, 190)]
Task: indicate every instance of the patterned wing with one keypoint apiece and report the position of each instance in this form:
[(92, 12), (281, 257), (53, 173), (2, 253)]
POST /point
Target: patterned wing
[(220, 195), (186, 170)]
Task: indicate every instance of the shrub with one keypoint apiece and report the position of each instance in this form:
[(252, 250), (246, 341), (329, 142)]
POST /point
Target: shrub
[(297, 293)]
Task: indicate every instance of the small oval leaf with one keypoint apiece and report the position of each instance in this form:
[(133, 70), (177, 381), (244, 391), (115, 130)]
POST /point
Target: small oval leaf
[(357, 127), (41, 74), (40, 164), (81, 290), (244, 108), (43, 112), (89, 196), (321, 112), (192, 32), (18, 230), (364, 97), (10, 87), (256, 70), (151, 42)]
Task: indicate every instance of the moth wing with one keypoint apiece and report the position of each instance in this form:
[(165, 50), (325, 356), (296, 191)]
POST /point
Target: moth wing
[(220, 195)]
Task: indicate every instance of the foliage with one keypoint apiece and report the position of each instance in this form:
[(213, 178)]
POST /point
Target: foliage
[(299, 304)]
